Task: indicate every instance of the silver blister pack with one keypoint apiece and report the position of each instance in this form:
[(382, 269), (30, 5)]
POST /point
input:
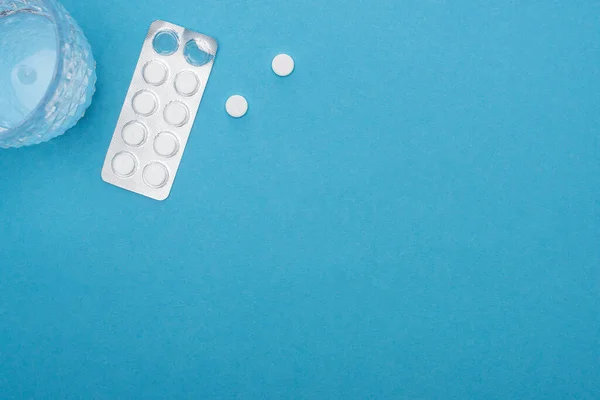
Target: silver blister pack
[(159, 110)]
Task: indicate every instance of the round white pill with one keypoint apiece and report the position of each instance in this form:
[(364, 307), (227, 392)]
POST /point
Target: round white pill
[(166, 144), (134, 133), (155, 175), (124, 164), (176, 113), (155, 73), (236, 106), (144, 103), (186, 83), (283, 64)]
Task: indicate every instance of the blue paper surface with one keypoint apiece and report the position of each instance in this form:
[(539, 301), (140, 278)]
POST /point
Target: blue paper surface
[(413, 213)]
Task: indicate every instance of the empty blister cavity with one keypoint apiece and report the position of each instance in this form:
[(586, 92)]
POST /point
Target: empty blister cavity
[(165, 42), (155, 175), (155, 73), (166, 144), (176, 113), (187, 83), (134, 133), (124, 164), (197, 52), (144, 103)]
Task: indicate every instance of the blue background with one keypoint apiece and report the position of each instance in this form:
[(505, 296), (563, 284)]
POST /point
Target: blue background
[(414, 213)]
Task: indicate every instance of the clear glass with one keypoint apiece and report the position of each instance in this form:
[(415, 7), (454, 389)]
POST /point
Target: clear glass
[(47, 72)]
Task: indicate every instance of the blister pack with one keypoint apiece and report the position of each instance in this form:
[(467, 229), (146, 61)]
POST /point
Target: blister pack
[(159, 110)]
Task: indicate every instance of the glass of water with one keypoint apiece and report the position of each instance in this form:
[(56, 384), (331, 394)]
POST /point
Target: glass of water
[(47, 72)]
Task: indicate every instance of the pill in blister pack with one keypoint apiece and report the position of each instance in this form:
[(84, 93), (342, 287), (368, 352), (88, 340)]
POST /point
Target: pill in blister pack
[(159, 110)]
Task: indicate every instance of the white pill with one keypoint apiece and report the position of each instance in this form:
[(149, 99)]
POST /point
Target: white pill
[(155, 73), (283, 64), (176, 113), (186, 83), (144, 103), (155, 175), (166, 144), (134, 133), (236, 106), (124, 164)]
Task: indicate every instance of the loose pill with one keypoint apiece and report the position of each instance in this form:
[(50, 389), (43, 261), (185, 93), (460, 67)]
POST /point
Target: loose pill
[(236, 106), (283, 65)]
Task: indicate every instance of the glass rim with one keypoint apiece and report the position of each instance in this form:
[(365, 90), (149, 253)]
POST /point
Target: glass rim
[(52, 11)]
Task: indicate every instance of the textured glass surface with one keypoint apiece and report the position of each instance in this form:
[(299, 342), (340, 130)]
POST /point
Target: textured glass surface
[(47, 72)]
